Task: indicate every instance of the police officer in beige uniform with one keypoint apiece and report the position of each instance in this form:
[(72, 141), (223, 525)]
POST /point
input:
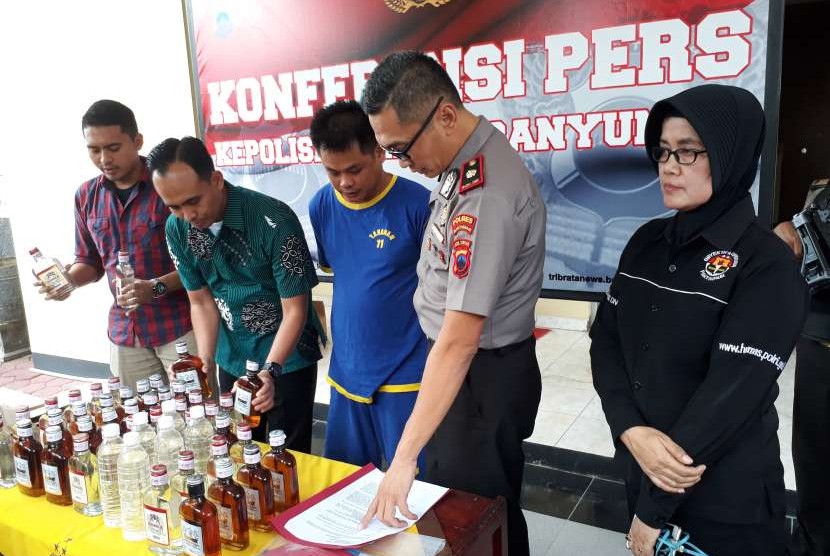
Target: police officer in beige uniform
[(480, 273)]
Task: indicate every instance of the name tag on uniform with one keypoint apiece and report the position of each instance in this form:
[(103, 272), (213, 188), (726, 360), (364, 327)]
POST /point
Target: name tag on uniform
[(448, 187), (437, 234)]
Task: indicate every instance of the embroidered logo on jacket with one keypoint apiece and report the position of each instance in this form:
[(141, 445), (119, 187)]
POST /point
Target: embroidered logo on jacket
[(718, 263)]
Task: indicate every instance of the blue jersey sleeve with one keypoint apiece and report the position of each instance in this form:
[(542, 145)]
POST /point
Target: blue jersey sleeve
[(317, 224)]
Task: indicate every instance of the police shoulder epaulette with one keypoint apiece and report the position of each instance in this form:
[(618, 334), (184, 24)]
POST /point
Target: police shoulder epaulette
[(472, 174)]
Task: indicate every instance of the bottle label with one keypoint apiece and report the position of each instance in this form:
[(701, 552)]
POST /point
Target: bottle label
[(190, 378), (223, 421), (278, 481), (77, 485), (217, 451), (52, 277), (181, 405), (156, 526), (192, 540), (252, 502), (21, 472), (225, 522), (51, 479), (252, 458), (243, 402)]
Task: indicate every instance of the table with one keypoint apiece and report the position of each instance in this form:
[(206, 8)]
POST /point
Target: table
[(471, 525)]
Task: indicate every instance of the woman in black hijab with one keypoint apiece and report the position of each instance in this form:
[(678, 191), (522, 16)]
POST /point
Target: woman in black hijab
[(698, 323)]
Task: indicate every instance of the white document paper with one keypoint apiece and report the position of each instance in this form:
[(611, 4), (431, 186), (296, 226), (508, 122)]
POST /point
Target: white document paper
[(335, 521)]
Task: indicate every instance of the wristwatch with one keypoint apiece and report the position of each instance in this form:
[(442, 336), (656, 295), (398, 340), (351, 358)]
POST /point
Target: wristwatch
[(274, 369), (159, 288)]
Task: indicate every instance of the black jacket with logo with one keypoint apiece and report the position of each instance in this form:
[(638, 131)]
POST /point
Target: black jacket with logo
[(690, 341)]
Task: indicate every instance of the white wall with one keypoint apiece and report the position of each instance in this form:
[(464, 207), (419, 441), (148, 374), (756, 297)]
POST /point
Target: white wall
[(58, 58)]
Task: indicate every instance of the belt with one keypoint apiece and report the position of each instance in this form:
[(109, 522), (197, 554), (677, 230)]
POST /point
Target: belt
[(510, 348)]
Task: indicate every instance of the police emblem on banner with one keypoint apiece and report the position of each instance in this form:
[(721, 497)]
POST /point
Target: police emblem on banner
[(461, 257), (717, 263), (403, 6)]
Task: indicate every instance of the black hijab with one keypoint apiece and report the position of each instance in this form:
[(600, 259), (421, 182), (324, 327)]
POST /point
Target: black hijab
[(731, 124)]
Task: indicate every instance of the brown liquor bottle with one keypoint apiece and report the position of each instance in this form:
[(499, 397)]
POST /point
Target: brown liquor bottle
[(246, 390), (27, 453), (200, 521), (188, 368), (259, 494), (283, 467), (55, 465), (230, 502)]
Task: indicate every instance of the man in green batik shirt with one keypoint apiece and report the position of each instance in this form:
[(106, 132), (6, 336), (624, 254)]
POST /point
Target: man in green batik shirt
[(244, 261)]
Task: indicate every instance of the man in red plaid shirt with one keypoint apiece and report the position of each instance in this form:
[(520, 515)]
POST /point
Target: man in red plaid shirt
[(120, 210)]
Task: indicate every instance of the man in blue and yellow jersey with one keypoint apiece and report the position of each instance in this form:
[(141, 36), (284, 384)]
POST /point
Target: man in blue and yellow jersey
[(369, 225)]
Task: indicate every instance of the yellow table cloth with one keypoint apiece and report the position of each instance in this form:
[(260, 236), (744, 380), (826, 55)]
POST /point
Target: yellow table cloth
[(34, 527)]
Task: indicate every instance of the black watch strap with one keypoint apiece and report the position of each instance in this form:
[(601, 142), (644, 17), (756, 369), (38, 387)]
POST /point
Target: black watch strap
[(274, 369)]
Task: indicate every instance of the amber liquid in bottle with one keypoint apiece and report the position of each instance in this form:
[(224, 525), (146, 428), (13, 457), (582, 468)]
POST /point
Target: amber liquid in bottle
[(283, 467), (259, 493), (200, 521), (27, 456), (246, 390), (55, 467), (230, 502), (188, 368)]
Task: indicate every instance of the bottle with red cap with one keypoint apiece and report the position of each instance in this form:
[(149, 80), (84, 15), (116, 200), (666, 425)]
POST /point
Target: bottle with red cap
[(86, 426), (83, 478), (211, 411), (188, 369), (162, 524), (55, 418), (187, 468), (113, 387), (237, 449), (218, 449), (74, 397), (93, 407), (43, 421)]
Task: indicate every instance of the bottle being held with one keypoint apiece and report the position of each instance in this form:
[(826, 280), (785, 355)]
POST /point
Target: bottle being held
[(188, 369), (259, 492), (51, 273), (283, 467), (246, 390), (231, 505), (133, 483), (197, 437), (200, 521), (27, 458), (162, 524), (83, 478), (7, 474), (186, 466), (108, 454), (168, 443), (124, 276)]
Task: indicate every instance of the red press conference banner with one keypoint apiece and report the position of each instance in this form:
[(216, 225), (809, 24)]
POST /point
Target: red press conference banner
[(569, 82)]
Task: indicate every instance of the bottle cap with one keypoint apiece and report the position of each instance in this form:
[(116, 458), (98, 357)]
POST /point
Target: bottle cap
[(251, 366), (224, 467), (142, 385), (132, 439), (197, 412), (80, 442), (211, 407), (243, 431), (166, 422), (24, 428), (54, 433), (252, 454), (276, 438), (84, 423), (111, 430), (140, 418), (125, 392), (195, 486), (181, 348), (106, 400), (186, 460), (78, 409)]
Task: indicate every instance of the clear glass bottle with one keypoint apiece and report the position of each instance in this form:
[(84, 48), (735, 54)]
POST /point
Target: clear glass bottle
[(27, 456), (55, 418), (188, 369), (55, 466), (83, 478), (142, 388), (223, 427), (185, 465), (246, 390), (125, 393), (259, 492), (7, 475), (131, 407), (43, 421), (85, 425), (146, 435), (51, 273), (113, 386), (74, 397), (283, 467), (237, 449), (22, 413), (231, 505), (151, 400), (200, 521), (218, 450), (108, 402), (197, 437), (162, 525), (194, 397), (156, 382), (168, 443), (133, 483), (93, 407), (164, 393), (211, 410), (108, 454), (226, 406), (155, 415), (78, 410), (124, 275)]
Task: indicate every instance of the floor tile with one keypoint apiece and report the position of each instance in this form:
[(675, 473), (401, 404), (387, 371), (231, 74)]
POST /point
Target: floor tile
[(577, 539), (565, 395), (588, 435), (550, 426), (542, 531), (552, 491)]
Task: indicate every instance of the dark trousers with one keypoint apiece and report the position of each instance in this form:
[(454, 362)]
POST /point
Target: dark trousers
[(293, 409), (731, 539), (811, 448), (478, 446)]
